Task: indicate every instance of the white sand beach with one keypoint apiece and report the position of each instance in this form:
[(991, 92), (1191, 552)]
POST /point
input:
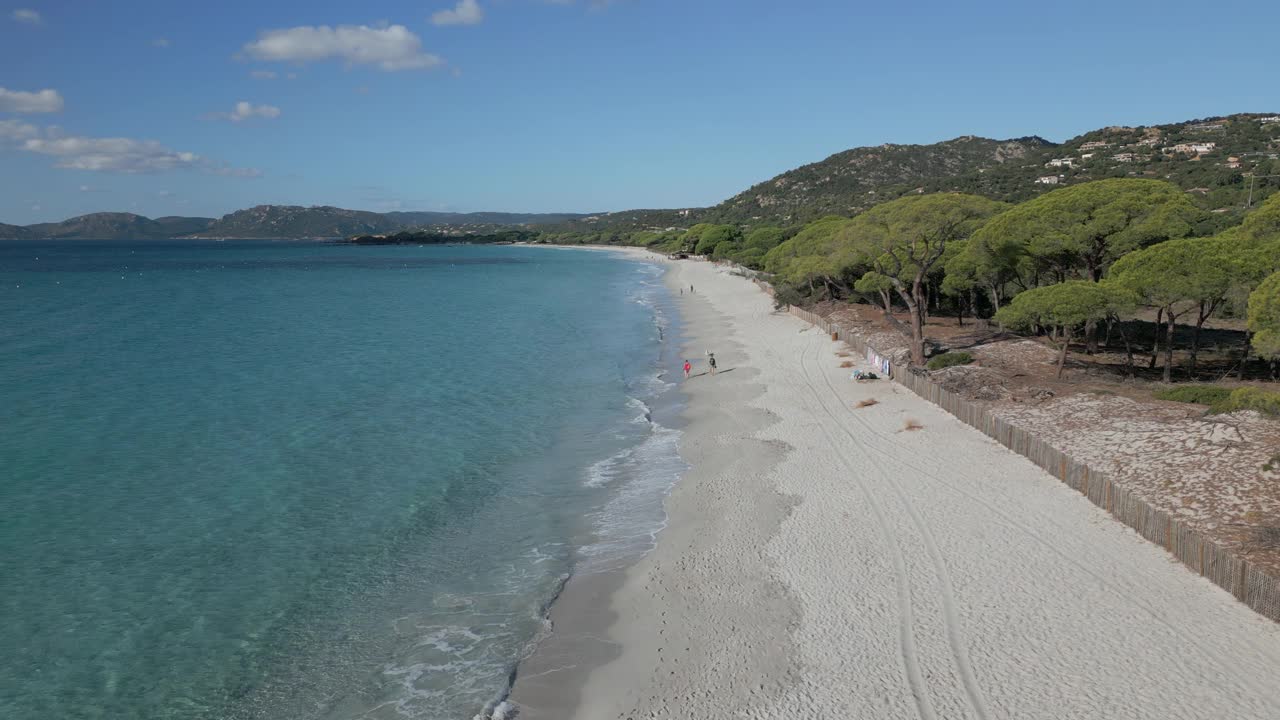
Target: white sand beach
[(823, 562)]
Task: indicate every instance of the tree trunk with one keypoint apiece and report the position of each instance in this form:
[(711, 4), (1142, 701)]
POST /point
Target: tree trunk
[(917, 335), (1128, 348), (1168, 346), (1091, 337), (1206, 310), (912, 298), (887, 299), (1155, 342), (1062, 355), (1244, 359), (915, 300)]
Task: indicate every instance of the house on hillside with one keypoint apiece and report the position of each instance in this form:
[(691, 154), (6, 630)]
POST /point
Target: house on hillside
[(1049, 180), (1269, 119), (1149, 141), (1233, 162), (1087, 156), (1125, 157), (1207, 126), (1193, 148), (1095, 145), (1060, 162)]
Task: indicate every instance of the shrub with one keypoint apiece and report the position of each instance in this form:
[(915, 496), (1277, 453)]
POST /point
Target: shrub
[(1250, 398), (1224, 400), (1199, 394), (949, 359)]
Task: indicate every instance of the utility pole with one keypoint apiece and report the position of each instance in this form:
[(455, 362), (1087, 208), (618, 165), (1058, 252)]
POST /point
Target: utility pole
[(1249, 203)]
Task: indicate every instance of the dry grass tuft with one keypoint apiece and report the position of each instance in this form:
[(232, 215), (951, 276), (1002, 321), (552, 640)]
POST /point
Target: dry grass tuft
[(912, 424), (846, 364), (1268, 536), (867, 403)]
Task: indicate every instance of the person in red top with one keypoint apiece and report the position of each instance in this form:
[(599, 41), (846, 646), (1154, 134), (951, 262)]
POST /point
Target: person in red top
[(687, 368)]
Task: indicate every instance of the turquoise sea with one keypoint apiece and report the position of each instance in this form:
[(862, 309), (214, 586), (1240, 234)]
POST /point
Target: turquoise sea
[(287, 481)]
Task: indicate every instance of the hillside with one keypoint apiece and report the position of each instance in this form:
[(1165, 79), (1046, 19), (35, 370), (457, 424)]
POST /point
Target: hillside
[(1221, 162), (489, 219), (177, 226), (1215, 160), (851, 181), (108, 226), (15, 232), (294, 221)]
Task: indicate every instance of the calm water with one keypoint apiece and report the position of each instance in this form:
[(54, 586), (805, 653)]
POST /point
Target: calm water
[(309, 481)]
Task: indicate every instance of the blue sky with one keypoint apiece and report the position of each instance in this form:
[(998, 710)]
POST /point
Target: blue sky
[(570, 105)]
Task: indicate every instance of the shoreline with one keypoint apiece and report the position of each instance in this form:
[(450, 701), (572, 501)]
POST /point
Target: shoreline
[(552, 683), (821, 562)]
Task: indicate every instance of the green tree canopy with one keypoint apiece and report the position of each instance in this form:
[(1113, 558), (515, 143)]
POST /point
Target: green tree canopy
[(816, 238), (1179, 276), (1078, 231), (765, 238), (713, 235), (906, 239), (1068, 306), (1264, 317), (1263, 224), (724, 250)]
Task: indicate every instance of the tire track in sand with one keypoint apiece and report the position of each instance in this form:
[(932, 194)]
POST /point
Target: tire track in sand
[(1209, 656), (906, 611), (946, 595)]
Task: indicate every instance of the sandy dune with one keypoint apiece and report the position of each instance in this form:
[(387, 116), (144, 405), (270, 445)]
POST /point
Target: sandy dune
[(823, 562)]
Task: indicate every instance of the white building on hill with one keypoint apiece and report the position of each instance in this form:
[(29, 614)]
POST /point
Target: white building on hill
[(1194, 148)]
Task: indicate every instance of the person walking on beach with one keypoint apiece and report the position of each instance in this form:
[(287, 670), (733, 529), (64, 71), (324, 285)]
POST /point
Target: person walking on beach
[(711, 360), (688, 367), (690, 289)]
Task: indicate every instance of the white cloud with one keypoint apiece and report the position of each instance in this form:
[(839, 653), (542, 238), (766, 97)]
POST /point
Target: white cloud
[(263, 74), (124, 155), (161, 42), (467, 12), (27, 15), (390, 48), (226, 170), (246, 110), (30, 102), (121, 155), (14, 131)]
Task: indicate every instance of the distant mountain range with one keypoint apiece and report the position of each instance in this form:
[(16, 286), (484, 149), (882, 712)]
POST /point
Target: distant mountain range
[(272, 222), (1223, 163)]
